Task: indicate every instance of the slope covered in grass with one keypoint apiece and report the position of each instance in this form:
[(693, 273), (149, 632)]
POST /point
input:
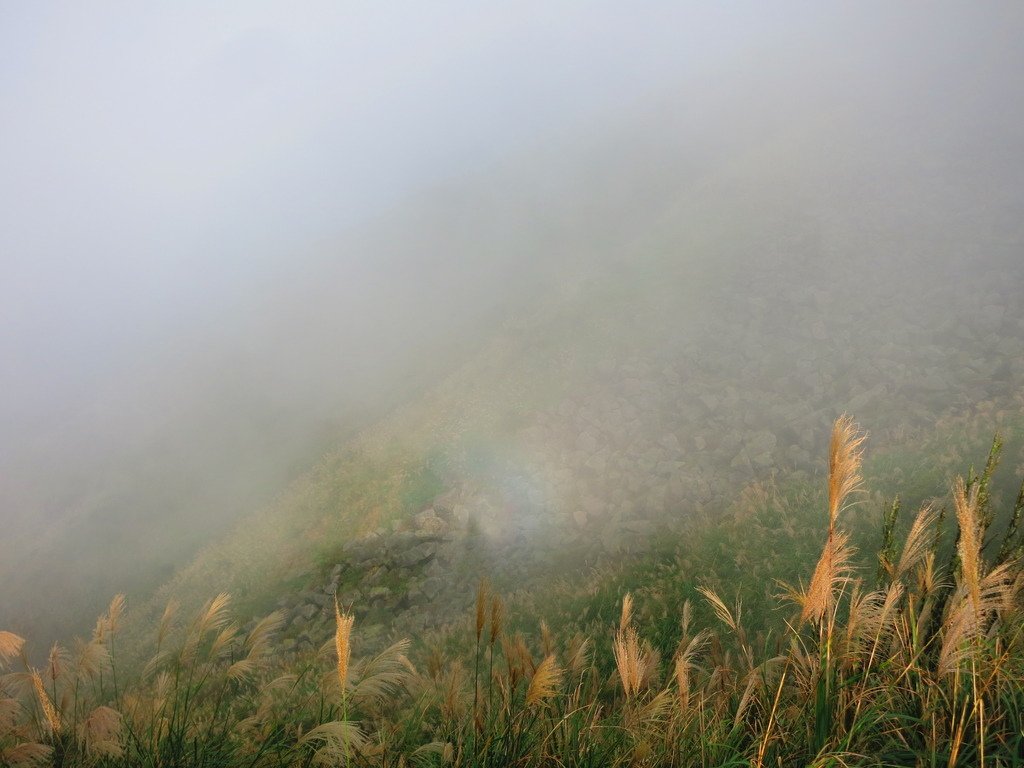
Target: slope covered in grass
[(647, 661)]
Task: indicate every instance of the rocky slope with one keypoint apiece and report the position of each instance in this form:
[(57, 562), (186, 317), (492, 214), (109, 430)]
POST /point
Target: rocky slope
[(642, 392)]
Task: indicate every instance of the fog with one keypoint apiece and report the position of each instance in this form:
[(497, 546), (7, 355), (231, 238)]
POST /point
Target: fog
[(231, 237)]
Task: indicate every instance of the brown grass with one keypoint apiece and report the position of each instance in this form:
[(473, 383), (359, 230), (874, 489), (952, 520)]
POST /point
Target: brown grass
[(912, 666), (844, 461), (49, 711), (342, 643), (10, 646), (481, 608), (545, 682), (634, 660), (969, 546), (497, 619), (845, 454)]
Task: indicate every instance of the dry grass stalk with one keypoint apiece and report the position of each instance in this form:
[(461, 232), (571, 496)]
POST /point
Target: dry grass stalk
[(633, 660), (223, 642), (108, 623), (579, 654), (49, 712), (918, 544), (545, 681), (651, 666), (721, 610), (755, 679), (547, 638), (215, 615), (926, 575), (831, 572), (170, 611), (522, 650), (497, 619), (258, 644), (381, 677), (444, 750), (56, 662), (258, 641), (10, 646), (626, 649), (686, 619), (10, 709), (628, 660), (844, 461), (969, 547), (333, 741), (91, 659), (154, 664), (481, 608), (627, 612), (342, 645), (684, 666), (652, 713), (965, 621), (243, 670), (845, 453), (879, 620), (869, 617), (101, 733), (513, 662), (26, 755), (212, 618)]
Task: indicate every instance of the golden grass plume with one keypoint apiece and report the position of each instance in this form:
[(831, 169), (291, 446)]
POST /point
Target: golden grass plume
[(481, 608), (831, 572), (342, 642), (545, 681), (497, 619), (845, 454), (26, 755), (10, 646), (49, 711), (969, 545)]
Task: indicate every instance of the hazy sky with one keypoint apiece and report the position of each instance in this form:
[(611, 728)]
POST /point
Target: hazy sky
[(161, 162), (158, 160), (225, 228)]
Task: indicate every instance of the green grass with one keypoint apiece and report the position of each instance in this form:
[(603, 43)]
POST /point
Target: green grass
[(771, 690)]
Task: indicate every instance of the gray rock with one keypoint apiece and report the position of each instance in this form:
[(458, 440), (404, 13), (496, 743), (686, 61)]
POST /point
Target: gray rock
[(429, 523), (416, 555), (322, 600), (433, 587), (402, 540)]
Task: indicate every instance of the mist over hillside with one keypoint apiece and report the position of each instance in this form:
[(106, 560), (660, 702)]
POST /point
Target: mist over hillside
[(550, 383), (739, 241)]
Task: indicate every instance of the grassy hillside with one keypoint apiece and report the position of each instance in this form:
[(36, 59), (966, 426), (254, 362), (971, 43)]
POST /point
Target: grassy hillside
[(652, 420), (729, 645), (668, 297), (604, 416)]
